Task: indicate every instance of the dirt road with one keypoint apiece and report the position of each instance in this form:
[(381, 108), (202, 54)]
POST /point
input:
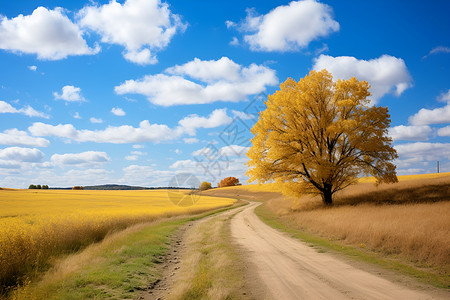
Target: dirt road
[(292, 270)]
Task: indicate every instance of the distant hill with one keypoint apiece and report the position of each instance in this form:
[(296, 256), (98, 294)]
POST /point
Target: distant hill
[(114, 187), (119, 187)]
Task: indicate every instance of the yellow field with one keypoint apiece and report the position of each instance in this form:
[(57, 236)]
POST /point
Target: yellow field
[(38, 225)]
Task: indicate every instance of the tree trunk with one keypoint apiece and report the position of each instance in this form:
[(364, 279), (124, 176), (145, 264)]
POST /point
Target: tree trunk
[(327, 195)]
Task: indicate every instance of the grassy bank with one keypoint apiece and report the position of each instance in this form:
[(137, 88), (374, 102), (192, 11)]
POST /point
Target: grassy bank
[(122, 266)]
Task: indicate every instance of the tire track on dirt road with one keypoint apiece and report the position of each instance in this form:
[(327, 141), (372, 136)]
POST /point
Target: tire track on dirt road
[(292, 270)]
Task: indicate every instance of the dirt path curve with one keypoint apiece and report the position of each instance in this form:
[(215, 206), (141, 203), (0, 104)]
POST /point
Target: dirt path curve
[(292, 270)]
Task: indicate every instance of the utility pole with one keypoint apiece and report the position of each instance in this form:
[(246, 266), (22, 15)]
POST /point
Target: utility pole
[(438, 166)]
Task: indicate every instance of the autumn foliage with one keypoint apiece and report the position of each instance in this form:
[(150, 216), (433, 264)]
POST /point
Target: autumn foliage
[(317, 135), (205, 186), (229, 181), (77, 188)]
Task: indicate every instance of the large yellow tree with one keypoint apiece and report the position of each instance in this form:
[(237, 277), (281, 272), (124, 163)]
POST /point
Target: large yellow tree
[(316, 136)]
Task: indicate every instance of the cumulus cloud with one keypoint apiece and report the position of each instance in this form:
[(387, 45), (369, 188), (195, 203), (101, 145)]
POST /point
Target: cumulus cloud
[(146, 132), (15, 137), (424, 151), (83, 158), (288, 27), (69, 93), (28, 110), (431, 116), (192, 122), (96, 120), (200, 82), (32, 68), (410, 133), (118, 111), (444, 131), (48, 33), (386, 74), (19, 154), (445, 96), (143, 27), (131, 157)]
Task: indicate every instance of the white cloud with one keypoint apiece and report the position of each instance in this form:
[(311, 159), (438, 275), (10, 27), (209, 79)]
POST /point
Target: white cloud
[(445, 97), (83, 158), (431, 116), (217, 118), (21, 154), (226, 151), (410, 133), (190, 140), (143, 27), (138, 153), (70, 93), (131, 157), (138, 146), (386, 74), (146, 132), (48, 33), (177, 151), (242, 115), (77, 116), (28, 110), (209, 81), (438, 49), (424, 151), (118, 111), (146, 176), (32, 68), (96, 120), (234, 41), (15, 137), (288, 27), (233, 150), (444, 131)]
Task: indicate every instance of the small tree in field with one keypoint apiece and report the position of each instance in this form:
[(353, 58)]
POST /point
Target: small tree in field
[(229, 181), (316, 136), (205, 186), (77, 188), (45, 187), (32, 187)]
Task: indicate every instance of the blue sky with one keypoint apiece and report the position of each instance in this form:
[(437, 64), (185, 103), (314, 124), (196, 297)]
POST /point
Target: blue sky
[(136, 91)]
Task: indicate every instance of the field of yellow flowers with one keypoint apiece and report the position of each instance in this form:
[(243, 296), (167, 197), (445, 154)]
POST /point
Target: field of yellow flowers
[(37, 226)]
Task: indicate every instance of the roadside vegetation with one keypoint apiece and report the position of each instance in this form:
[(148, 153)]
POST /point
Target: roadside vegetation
[(211, 266), (405, 222), (39, 226)]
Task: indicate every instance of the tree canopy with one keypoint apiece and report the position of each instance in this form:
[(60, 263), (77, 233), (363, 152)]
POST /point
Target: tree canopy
[(229, 181), (317, 135)]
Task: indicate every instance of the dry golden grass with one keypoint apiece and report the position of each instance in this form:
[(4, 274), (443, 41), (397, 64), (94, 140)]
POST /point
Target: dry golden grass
[(409, 219), (38, 226)]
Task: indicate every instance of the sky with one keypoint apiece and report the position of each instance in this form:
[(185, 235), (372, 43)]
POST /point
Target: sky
[(135, 92)]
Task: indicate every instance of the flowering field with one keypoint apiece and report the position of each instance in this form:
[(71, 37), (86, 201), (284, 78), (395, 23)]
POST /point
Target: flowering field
[(36, 226)]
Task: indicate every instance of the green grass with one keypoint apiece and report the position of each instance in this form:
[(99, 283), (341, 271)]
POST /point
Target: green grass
[(323, 244), (214, 243), (123, 268)]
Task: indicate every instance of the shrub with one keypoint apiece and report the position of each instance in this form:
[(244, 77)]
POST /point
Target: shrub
[(77, 188), (205, 186), (229, 181)]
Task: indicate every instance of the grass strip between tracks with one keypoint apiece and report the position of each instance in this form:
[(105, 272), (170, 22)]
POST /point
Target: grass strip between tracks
[(323, 244)]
